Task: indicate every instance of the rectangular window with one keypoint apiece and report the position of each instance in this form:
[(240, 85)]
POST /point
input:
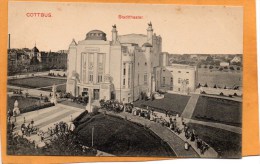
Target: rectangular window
[(129, 83), (124, 69), (91, 78), (138, 79), (171, 79), (179, 71), (99, 78), (187, 81), (163, 80), (179, 80), (145, 79), (124, 81)]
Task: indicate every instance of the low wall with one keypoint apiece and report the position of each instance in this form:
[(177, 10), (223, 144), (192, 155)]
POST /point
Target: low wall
[(58, 72), (217, 91)]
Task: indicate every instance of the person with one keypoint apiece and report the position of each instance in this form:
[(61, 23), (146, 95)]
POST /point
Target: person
[(186, 146), (192, 138), (71, 127)]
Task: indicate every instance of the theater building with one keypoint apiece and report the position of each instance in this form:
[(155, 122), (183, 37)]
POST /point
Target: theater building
[(120, 68)]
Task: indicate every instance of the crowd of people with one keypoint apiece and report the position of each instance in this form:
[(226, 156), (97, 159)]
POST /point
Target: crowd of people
[(116, 106), (174, 122), (28, 128), (57, 128)]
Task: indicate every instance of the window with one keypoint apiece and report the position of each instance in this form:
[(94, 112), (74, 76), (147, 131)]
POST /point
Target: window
[(129, 82), (124, 70), (138, 79), (163, 80), (145, 79), (187, 72), (91, 78), (187, 81), (99, 78), (179, 89), (179, 71), (145, 64), (171, 79), (124, 81), (179, 80)]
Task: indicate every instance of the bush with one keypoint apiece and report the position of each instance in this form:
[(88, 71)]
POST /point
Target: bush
[(231, 68), (220, 69), (203, 92), (215, 86), (221, 94), (230, 96), (211, 67), (235, 94), (238, 68), (206, 85)]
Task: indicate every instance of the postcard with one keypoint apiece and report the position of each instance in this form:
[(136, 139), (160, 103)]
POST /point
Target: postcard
[(125, 80)]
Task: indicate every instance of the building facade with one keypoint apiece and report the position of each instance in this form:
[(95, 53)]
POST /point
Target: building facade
[(120, 69), (178, 78)]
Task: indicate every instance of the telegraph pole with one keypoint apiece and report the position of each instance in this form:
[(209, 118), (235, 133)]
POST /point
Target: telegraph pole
[(92, 136)]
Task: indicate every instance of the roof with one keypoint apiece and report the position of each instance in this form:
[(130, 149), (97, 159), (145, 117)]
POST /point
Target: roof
[(35, 49), (147, 45), (96, 35)]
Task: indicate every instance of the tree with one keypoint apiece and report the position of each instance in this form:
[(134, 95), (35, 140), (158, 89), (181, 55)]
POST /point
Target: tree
[(215, 86), (231, 68), (206, 85)]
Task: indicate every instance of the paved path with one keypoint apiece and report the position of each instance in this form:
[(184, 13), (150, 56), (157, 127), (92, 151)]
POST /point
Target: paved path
[(190, 107), (216, 125), (33, 92), (175, 142), (50, 86), (31, 74), (46, 118)]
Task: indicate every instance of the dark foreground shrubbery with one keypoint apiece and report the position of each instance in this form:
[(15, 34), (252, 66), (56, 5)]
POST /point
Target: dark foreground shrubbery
[(60, 144)]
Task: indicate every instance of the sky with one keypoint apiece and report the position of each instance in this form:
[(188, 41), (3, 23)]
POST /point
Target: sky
[(185, 29)]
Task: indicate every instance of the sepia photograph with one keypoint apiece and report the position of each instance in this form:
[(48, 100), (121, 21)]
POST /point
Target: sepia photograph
[(127, 80)]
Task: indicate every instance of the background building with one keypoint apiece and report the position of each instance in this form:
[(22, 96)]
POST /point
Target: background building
[(176, 77)]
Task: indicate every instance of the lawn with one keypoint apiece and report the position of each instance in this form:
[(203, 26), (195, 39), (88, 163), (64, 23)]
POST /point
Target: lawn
[(228, 143), (122, 138), (35, 82), (221, 79), (174, 103), (218, 110), (22, 102)]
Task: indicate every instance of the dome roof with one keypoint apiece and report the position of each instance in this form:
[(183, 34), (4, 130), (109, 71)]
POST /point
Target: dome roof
[(147, 45), (96, 35), (35, 49)]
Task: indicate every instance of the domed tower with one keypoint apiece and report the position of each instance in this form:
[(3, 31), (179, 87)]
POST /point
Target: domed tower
[(96, 35)]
